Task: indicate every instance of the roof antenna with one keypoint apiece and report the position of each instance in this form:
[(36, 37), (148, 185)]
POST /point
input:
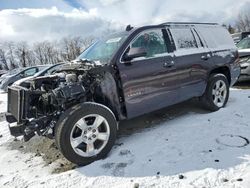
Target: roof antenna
[(129, 28)]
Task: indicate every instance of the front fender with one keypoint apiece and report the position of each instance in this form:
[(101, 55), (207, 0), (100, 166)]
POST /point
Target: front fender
[(107, 94)]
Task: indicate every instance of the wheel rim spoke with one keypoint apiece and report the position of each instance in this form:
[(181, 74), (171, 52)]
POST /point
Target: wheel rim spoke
[(223, 87), (75, 142), (81, 124), (98, 121), (90, 148), (216, 100), (218, 85), (222, 99), (213, 92), (103, 136)]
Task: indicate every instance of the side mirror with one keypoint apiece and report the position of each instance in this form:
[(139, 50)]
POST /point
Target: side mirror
[(135, 53), (22, 75)]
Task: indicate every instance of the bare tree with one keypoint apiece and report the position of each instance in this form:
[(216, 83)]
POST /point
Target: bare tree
[(65, 51), (73, 46), (3, 61), (10, 54), (243, 22), (22, 53), (38, 52), (87, 41)]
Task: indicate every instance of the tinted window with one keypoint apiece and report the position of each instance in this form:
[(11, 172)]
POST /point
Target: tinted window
[(244, 44), (30, 72), (184, 38), (152, 41), (216, 36)]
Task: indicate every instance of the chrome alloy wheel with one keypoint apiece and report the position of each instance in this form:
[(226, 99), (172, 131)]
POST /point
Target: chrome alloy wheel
[(219, 93), (90, 135)]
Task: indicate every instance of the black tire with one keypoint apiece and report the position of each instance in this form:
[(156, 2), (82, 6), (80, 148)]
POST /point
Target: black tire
[(208, 98), (67, 122)]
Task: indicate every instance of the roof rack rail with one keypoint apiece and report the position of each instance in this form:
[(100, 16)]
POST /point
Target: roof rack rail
[(188, 23)]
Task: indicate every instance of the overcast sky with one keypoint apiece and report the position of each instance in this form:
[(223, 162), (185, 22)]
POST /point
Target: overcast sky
[(37, 20)]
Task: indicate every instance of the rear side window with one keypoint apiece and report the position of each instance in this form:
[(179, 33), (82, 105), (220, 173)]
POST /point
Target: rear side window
[(216, 36), (184, 38), (30, 72)]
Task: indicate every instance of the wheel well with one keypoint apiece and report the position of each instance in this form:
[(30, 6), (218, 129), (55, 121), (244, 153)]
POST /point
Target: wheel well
[(222, 70)]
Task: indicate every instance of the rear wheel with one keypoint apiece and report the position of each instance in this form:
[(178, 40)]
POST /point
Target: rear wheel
[(217, 92), (86, 133)]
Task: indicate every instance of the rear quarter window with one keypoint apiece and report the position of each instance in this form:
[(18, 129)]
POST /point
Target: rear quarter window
[(184, 38), (216, 37)]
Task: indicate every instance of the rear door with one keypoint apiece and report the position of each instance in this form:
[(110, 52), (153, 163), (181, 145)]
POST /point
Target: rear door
[(192, 60), (149, 83)]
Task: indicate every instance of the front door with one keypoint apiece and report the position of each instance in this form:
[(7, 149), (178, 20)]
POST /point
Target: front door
[(149, 82)]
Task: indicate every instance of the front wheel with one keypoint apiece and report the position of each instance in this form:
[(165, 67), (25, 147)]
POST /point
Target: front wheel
[(217, 92), (86, 133)]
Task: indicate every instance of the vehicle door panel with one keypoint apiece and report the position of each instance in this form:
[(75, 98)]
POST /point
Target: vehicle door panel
[(148, 84), (191, 60)]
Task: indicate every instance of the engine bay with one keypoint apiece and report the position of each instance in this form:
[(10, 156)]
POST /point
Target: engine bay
[(46, 98)]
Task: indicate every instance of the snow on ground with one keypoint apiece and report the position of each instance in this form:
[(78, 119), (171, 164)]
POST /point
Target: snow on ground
[(156, 150)]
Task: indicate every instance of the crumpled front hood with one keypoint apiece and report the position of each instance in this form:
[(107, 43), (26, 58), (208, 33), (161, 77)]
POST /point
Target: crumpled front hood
[(77, 65)]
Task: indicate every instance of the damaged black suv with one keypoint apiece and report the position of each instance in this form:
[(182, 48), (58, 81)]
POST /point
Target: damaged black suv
[(122, 76)]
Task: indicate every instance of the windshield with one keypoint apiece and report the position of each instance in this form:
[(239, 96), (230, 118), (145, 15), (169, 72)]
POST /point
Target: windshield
[(244, 44), (104, 49)]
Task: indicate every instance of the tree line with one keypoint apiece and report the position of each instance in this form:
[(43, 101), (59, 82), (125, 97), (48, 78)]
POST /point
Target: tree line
[(23, 54), (242, 23)]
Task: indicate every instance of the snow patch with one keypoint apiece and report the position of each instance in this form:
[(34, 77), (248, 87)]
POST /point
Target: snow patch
[(183, 146)]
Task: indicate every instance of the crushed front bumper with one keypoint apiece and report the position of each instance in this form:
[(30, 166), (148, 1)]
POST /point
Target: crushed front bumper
[(15, 111), (15, 128), (23, 119), (18, 113)]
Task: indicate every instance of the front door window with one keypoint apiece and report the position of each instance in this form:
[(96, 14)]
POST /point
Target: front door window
[(152, 41)]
